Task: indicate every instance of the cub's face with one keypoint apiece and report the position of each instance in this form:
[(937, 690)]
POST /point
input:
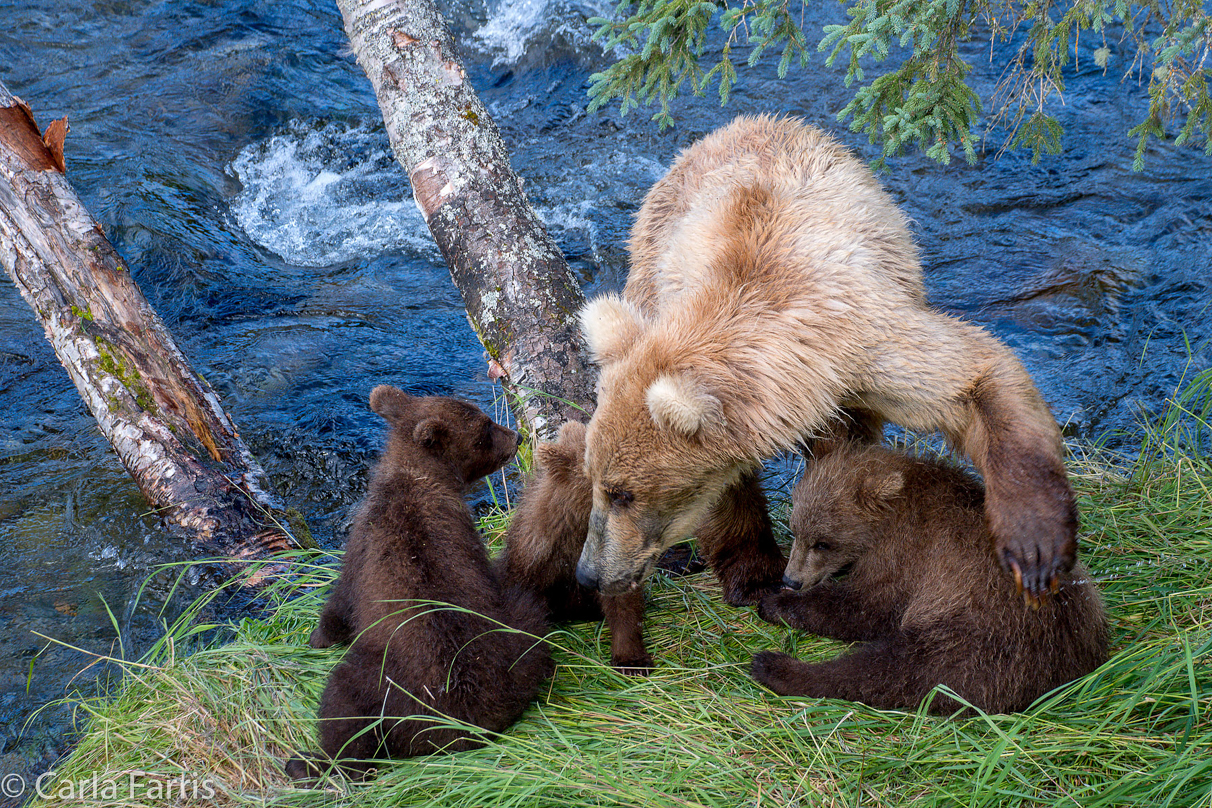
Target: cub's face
[(470, 440), (456, 432), (828, 539), (838, 512)]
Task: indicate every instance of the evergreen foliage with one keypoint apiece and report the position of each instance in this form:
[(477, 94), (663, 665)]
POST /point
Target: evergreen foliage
[(925, 101)]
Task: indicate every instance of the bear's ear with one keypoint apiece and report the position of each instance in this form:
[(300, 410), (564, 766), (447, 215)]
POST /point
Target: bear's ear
[(390, 402), (879, 487), (610, 325), (681, 404), (431, 433), (555, 458), (572, 435), (567, 455)]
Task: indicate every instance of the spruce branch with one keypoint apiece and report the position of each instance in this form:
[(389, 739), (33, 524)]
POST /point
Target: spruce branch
[(922, 99)]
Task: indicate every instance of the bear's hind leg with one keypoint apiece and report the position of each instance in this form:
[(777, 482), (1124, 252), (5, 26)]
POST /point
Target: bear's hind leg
[(738, 541), (886, 674), (350, 731)]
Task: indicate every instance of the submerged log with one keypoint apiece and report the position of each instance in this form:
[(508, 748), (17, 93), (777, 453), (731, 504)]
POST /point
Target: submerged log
[(164, 421), (521, 297)]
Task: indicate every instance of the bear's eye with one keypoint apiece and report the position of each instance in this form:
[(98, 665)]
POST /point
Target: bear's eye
[(822, 546), (619, 498)]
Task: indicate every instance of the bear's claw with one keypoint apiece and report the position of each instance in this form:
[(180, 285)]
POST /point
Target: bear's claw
[(634, 666), (1035, 576)]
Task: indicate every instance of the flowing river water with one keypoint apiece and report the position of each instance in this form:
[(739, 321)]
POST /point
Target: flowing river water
[(235, 156)]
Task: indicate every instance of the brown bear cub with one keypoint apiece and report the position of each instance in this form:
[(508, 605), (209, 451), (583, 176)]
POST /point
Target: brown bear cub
[(414, 663), (894, 552), (544, 541)]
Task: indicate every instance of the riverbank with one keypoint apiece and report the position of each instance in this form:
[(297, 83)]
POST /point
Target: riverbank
[(212, 727)]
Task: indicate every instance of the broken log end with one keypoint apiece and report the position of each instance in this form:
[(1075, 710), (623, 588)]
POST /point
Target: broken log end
[(19, 132), (430, 186), (401, 40), (53, 139)]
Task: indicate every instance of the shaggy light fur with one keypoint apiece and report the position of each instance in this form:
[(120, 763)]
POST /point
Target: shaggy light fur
[(775, 287)]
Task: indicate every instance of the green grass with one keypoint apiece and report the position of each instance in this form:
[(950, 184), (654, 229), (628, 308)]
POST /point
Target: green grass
[(699, 732)]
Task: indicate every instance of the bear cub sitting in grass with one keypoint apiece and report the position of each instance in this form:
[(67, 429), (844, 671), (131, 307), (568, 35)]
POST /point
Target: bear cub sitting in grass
[(413, 541), (544, 541), (922, 590)]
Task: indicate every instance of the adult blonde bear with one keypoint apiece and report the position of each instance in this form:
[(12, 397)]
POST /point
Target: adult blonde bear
[(776, 296)]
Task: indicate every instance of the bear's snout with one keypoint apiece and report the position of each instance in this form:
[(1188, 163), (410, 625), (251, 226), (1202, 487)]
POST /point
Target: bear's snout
[(791, 583), (586, 578), (509, 440)]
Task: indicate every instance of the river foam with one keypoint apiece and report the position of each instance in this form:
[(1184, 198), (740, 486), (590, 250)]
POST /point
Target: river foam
[(326, 194), (516, 27)]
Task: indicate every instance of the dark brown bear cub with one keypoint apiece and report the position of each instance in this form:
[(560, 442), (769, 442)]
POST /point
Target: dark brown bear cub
[(414, 543), (544, 541), (922, 590)]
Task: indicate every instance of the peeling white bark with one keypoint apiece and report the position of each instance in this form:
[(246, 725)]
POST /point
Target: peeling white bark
[(521, 297), (164, 421)]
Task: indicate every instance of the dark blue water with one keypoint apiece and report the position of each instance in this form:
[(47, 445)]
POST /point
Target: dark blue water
[(234, 154)]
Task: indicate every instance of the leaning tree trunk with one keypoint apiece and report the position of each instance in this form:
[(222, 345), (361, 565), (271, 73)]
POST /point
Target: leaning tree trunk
[(521, 296), (164, 421)]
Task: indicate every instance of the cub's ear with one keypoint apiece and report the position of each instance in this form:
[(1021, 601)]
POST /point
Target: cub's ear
[(572, 435), (684, 405), (823, 447), (610, 325), (557, 459), (391, 402), (431, 433), (567, 456), (879, 488)]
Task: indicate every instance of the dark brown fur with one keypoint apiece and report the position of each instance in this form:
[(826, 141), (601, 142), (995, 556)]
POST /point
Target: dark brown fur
[(414, 540), (737, 539), (924, 594), (544, 541)]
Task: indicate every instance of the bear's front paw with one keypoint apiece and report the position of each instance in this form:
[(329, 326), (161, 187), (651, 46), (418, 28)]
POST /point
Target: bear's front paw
[(777, 671), (777, 607), (319, 639), (640, 665), (749, 593), (1035, 531), (1037, 565)]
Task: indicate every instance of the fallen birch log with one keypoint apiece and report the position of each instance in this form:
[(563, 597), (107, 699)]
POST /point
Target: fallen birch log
[(164, 421)]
